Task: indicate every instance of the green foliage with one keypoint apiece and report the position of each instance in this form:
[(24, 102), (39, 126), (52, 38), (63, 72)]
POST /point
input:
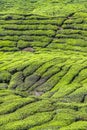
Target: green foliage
[(7, 44), (23, 44), (5, 76), (17, 79), (43, 65), (3, 85)]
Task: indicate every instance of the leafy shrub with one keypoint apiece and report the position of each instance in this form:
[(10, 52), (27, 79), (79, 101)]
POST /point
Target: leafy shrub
[(7, 43), (23, 44), (5, 76)]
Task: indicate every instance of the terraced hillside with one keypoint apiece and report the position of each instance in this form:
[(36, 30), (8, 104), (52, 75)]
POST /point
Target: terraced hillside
[(43, 65)]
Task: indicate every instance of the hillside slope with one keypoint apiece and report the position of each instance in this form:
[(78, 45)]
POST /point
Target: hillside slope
[(43, 65)]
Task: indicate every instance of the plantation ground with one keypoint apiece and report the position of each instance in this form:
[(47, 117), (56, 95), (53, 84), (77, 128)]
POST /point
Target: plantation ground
[(43, 65)]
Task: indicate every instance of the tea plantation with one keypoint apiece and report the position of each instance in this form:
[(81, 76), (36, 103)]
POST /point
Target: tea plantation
[(43, 65)]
